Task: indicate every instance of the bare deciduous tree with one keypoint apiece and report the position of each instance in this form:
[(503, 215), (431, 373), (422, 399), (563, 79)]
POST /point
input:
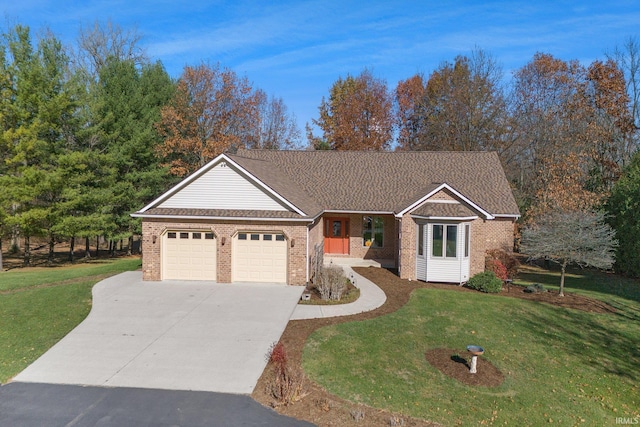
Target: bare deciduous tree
[(102, 42), (277, 129), (566, 237)]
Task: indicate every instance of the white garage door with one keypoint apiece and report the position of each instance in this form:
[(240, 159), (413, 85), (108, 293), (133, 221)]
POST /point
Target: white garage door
[(189, 255), (260, 257)]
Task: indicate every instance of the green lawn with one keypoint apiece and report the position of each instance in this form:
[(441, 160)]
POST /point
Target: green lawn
[(39, 306), (562, 366)]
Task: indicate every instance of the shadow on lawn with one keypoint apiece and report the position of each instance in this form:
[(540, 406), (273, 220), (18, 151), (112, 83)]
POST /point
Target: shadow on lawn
[(456, 358), (583, 279), (596, 340)]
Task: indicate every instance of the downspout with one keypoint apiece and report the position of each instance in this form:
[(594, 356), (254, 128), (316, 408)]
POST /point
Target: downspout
[(307, 256), (399, 243)]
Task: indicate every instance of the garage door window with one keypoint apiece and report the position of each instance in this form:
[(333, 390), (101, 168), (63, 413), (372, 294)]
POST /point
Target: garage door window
[(267, 237), (208, 236), (280, 237), (196, 235), (184, 235), (255, 237), (172, 235), (242, 236)]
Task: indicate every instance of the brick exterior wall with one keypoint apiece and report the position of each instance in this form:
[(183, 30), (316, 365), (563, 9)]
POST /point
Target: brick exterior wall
[(408, 243), (489, 234), (296, 232)]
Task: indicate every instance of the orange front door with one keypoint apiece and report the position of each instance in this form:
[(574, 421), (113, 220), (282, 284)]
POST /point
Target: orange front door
[(336, 236)]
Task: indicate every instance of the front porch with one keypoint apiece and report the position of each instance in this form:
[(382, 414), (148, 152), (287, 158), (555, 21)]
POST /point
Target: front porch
[(358, 262)]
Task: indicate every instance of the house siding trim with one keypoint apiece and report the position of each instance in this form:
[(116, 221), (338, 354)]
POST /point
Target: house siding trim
[(444, 186)]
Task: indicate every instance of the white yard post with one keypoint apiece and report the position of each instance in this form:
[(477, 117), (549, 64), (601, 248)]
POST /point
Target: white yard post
[(474, 361)]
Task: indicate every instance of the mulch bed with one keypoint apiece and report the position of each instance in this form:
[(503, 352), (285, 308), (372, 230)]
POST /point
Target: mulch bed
[(456, 365), (324, 409)]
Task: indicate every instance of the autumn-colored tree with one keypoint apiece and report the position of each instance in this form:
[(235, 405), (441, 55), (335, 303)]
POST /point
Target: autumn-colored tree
[(211, 111), (627, 58), (356, 116), (573, 128), (609, 123), (460, 107), (411, 115), (547, 108)]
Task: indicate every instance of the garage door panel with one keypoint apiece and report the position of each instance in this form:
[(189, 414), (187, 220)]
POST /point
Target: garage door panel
[(187, 256), (260, 257)]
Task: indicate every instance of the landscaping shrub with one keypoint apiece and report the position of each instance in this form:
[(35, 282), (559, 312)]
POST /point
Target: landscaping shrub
[(498, 268), (288, 382), (485, 282), (535, 288), (507, 259), (331, 283)]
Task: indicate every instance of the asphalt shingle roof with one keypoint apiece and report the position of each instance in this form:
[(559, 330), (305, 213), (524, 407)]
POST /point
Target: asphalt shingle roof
[(379, 181)]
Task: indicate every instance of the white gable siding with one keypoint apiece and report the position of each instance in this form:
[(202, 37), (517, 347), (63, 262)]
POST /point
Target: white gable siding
[(222, 187)]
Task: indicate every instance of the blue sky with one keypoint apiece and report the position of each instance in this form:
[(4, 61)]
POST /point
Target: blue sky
[(297, 49)]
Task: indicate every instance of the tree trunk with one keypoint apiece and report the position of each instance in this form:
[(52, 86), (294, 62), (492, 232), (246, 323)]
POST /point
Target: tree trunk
[(564, 267), (87, 249), (130, 244), (52, 243), (72, 245), (1, 267), (27, 251)]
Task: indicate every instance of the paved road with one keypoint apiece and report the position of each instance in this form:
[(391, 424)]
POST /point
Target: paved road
[(173, 335), (50, 405)]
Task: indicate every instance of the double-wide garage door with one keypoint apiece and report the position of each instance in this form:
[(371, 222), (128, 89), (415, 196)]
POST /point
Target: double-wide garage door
[(256, 256), (259, 257), (189, 255)]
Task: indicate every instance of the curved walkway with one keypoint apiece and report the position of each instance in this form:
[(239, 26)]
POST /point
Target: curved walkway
[(371, 297)]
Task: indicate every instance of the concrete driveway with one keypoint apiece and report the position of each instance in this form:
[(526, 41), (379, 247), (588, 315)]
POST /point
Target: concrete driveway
[(176, 335)]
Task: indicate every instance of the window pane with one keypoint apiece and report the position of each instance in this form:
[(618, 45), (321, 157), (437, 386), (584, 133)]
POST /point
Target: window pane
[(378, 226), (171, 235), (452, 239), (196, 235), (208, 236), (184, 235), (337, 229), (242, 236), (467, 240), (267, 237), (436, 248), (279, 237), (367, 231), (420, 239), (255, 237)]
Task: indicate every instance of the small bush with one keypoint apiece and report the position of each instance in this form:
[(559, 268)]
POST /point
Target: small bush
[(507, 259), (485, 282), (288, 384), (330, 283), (498, 268), (535, 288)]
